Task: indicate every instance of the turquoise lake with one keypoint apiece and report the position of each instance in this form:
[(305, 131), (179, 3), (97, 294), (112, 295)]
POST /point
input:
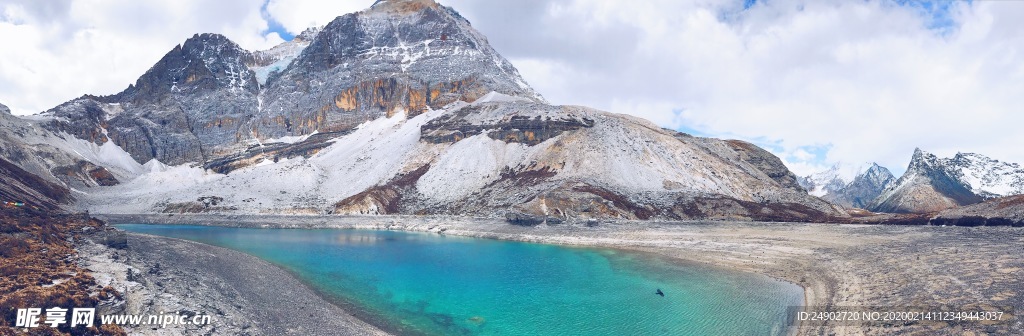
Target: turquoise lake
[(418, 283)]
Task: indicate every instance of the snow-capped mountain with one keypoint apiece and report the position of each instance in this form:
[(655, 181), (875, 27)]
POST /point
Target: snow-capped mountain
[(987, 177), (933, 184), (848, 185), (832, 179), (402, 108)]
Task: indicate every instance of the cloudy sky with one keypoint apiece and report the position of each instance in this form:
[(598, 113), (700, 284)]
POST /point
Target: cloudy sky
[(814, 81)]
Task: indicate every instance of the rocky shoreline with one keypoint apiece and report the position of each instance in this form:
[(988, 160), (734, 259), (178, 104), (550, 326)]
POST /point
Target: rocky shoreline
[(243, 294), (837, 265)]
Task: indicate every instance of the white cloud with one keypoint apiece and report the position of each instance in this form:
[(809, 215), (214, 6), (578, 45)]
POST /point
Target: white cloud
[(865, 81), (814, 81), (59, 50), (297, 15)]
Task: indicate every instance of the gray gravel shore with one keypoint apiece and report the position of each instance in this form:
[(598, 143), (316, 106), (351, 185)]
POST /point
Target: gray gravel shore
[(243, 294)]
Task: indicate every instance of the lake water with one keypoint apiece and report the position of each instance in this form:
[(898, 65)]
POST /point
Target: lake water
[(418, 283)]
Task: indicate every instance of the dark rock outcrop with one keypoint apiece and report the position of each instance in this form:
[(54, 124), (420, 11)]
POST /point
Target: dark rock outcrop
[(273, 151), (1004, 211), (19, 186), (382, 199), (522, 122)]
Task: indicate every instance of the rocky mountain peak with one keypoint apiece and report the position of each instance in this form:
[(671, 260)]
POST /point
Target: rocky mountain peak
[(930, 184), (922, 160), (309, 34), (401, 6), (395, 57), (878, 172), (204, 62), (986, 176), (4, 109)]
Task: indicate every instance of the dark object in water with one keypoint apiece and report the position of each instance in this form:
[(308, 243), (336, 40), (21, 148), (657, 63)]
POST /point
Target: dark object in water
[(659, 292)]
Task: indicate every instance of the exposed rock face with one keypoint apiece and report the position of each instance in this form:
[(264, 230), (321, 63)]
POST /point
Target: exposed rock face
[(28, 146), (528, 123), (272, 152), (397, 55), (1004, 211), (85, 173), (4, 109), (382, 199), (927, 186), (191, 105)]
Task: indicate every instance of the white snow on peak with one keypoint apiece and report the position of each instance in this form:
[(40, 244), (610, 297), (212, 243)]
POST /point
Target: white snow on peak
[(281, 55), (290, 139), (494, 96), (986, 176), (838, 176)]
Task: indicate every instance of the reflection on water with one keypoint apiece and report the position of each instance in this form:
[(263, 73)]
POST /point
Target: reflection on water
[(415, 283)]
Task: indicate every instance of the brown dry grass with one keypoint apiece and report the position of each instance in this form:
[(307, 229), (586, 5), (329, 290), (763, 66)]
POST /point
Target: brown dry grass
[(37, 270)]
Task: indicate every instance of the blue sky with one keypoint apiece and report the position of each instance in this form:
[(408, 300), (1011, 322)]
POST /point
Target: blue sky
[(273, 26)]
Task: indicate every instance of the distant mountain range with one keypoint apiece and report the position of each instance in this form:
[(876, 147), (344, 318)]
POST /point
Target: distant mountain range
[(851, 186), (402, 108), (930, 184)]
